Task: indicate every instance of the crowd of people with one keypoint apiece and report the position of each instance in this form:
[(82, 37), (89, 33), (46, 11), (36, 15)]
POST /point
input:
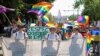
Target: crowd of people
[(67, 33), (19, 31)]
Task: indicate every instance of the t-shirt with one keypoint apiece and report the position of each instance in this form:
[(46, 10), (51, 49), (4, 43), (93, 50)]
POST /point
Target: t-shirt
[(20, 35), (53, 36), (79, 35), (76, 38)]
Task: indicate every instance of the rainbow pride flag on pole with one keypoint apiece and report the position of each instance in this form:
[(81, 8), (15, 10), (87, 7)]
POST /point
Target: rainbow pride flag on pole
[(41, 8), (88, 41), (45, 19)]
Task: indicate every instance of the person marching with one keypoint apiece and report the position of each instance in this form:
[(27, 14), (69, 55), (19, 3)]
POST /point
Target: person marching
[(17, 47), (52, 35), (77, 48), (50, 38)]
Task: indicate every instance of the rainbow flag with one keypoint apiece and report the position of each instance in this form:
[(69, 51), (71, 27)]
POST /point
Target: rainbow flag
[(41, 8), (89, 38), (45, 19), (83, 20), (87, 19)]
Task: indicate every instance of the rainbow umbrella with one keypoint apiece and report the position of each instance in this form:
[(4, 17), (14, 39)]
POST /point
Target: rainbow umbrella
[(41, 8)]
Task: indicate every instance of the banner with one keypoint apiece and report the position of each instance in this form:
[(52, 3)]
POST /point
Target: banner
[(37, 32)]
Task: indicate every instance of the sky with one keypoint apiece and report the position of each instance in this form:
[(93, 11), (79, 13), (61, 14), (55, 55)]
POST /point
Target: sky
[(65, 7)]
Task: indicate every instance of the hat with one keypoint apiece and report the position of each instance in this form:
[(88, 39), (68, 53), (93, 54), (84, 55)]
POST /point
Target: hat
[(52, 27), (75, 27)]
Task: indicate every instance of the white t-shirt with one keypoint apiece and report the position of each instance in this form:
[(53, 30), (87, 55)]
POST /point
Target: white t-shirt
[(53, 36), (20, 35), (76, 38), (78, 35)]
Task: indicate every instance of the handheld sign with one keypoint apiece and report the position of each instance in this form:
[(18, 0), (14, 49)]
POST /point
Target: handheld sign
[(95, 32), (37, 32), (95, 35)]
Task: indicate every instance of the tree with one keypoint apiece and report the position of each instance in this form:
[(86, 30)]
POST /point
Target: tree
[(36, 1), (91, 8), (21, 7), (73, 17)]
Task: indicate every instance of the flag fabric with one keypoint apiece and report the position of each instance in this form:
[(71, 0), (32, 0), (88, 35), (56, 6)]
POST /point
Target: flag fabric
[(41, 8), (88, 41), (45, 19), (59, 17), (4, 9), (83, 21)]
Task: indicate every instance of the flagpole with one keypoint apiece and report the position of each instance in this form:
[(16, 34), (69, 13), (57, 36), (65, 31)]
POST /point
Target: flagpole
[(7, 18)]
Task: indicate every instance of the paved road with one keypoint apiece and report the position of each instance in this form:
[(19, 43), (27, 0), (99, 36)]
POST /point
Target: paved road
[(1, 52), (34, 48)]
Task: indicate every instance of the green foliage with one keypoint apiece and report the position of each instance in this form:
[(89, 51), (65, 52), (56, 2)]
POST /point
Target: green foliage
[(21, 7), (91, 8), (36, 1), (73, 17)]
